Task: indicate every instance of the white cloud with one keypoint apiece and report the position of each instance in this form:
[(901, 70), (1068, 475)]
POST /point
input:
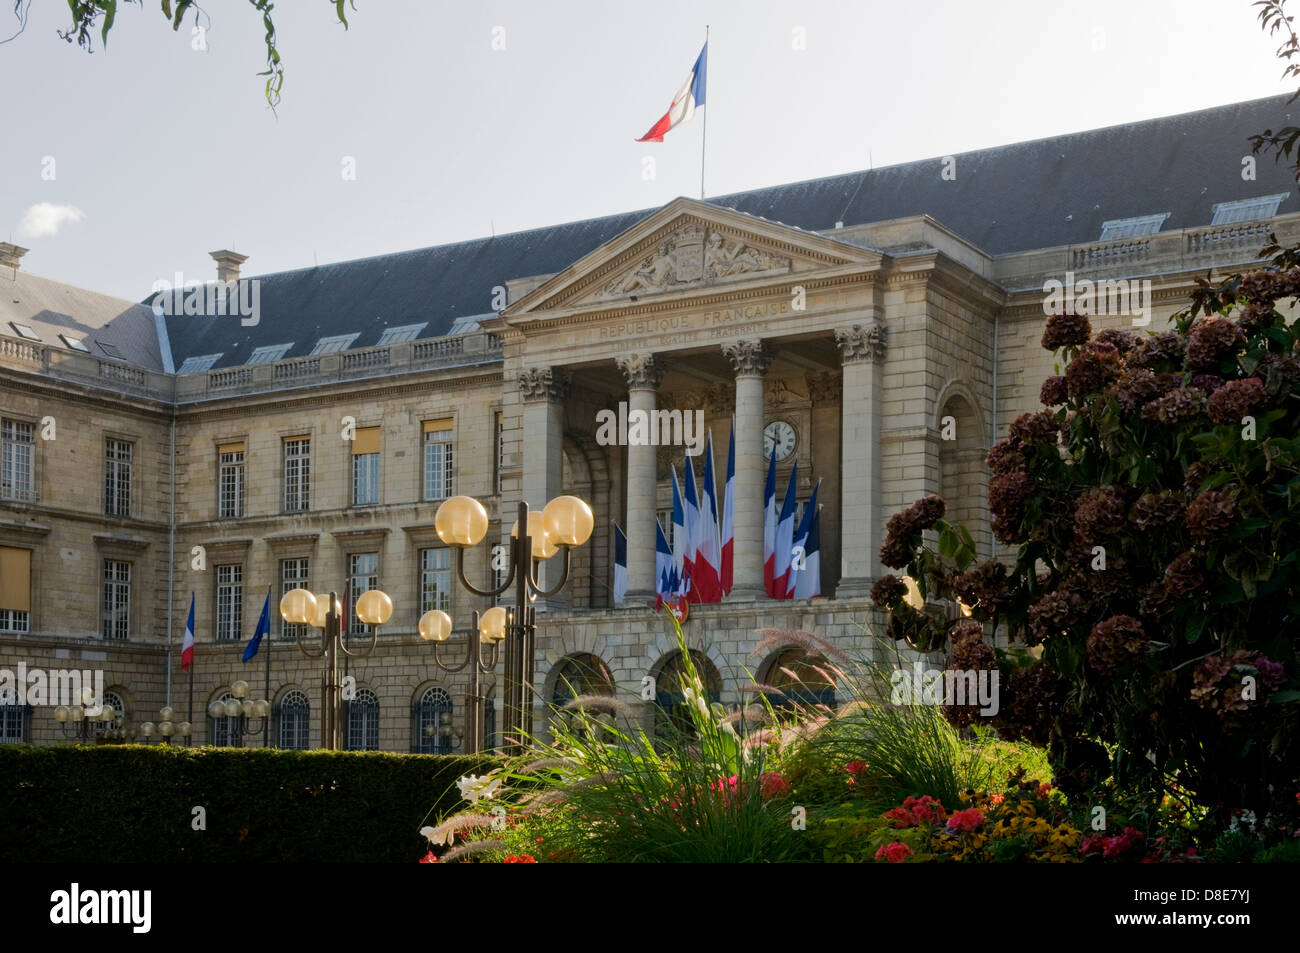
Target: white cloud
[(45, 218)]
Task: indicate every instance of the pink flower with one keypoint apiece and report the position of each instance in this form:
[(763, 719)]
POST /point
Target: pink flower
[(895, 853), (772, 784), (997, 798), (966, 820), (429, 858)]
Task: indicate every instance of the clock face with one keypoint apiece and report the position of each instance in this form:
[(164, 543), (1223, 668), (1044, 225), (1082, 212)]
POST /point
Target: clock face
[(779, 438)]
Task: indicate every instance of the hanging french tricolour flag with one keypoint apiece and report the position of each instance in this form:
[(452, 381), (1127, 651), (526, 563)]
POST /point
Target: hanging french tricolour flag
[(679, 540), (620, 565), (663, 568), (810, 579), (769, 526), (708, 556), (784, 540), (187, 646), (799, 555), (729, 517), (692, 508), (688, 99)]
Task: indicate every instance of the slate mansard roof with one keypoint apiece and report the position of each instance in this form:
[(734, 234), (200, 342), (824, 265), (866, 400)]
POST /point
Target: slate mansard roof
[(1039, 194)]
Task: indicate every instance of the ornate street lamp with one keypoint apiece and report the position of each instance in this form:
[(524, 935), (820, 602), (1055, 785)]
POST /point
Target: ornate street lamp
[(564, 522), (166, 728), (435, 627), (299, 607), (76, 722), (243, 708)]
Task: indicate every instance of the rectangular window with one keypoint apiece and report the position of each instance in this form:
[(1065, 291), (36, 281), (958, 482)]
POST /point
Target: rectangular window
[(666, 521), (501, 451), (332, 345), (297, 474), (435, 579), (407, 332), (117, 477), (117, 600), (269, 354), (230, 602), (293, 575), (365, 466), (15, 589), (16, 460), (363, 575), (230, 480), (438, 467)]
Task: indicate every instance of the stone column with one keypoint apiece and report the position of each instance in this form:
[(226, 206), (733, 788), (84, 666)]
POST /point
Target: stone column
[(862, 348), (642, 382), (749, 359), (544, 391)]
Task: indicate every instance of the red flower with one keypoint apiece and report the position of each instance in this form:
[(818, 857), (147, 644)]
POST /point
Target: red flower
[(854, 768), (966, 820), (895, 853), (521, 859), (429, 858), (772, 784)]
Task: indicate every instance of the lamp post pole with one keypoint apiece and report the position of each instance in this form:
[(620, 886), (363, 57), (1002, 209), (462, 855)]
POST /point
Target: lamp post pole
[(435, 626), (565, 522), (299, 607)]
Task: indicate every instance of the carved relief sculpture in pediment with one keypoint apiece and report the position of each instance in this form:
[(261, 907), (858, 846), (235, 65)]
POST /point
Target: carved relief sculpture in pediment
[(691, 256)]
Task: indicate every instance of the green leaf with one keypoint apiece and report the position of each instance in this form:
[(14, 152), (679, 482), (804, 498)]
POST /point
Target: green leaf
[(1281, 698), (1195, 627), (110, 13)]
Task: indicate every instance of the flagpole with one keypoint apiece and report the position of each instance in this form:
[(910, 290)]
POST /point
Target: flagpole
[(266, 738), (704, 135)]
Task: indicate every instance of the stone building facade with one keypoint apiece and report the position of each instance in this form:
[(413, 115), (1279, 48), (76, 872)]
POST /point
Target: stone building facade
[(894, 328)]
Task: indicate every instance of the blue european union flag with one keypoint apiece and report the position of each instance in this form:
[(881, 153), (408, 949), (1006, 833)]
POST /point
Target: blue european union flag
[(263, 628)]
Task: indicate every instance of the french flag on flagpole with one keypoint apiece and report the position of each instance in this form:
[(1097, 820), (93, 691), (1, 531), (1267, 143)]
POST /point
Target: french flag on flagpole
[(729, 517), (692, 532), (620, 565), (708, 558), (769, 527), (810, 579), (785, 540), (688, 99), (187, 646), (663, 568), (679, 540), (799, 554)]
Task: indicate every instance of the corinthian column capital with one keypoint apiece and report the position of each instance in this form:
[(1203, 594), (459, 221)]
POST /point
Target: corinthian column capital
[(544, 383), (862, 342), (748, 358), (639, 370)]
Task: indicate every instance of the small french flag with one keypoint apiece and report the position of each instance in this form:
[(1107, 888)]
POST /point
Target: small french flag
[(187, 646), (620, 565), (688, 99), (729, 516)]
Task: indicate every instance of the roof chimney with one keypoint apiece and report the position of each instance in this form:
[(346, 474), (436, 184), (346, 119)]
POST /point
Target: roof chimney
[(228, 263), (9, 255)]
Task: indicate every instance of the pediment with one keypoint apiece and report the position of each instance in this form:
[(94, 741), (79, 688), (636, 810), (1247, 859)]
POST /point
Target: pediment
[(688, 247)]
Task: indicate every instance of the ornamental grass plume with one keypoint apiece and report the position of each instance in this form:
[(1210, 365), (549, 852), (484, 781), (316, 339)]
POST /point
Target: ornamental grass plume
[(470, 849), (772, 639), (600, 703)]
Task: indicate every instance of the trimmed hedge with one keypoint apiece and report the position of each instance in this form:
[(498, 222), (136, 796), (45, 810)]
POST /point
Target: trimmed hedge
[(134, 803)]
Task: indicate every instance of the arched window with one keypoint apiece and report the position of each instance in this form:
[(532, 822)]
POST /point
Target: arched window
[(224, 731), (293, 720), (15, 722), (113, 732), (668, 691), (362, 722), (577, 675), (963, 475), (431, 724), (796, 674)]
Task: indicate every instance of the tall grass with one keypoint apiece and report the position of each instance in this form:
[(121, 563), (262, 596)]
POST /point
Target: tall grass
[(613, 793)]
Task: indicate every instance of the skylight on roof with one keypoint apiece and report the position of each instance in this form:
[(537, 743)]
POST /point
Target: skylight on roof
[(202, 362), (110, 349), (329, 345), (1247, 210), (463, 326), (1134, 227), (269, 354), (24, 331), (77, 344), (407, 332)]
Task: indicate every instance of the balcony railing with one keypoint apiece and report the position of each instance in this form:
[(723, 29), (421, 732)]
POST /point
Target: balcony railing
[(404, 357)]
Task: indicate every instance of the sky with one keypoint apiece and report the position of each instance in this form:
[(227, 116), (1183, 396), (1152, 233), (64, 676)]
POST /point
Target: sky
[(459, 120)]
